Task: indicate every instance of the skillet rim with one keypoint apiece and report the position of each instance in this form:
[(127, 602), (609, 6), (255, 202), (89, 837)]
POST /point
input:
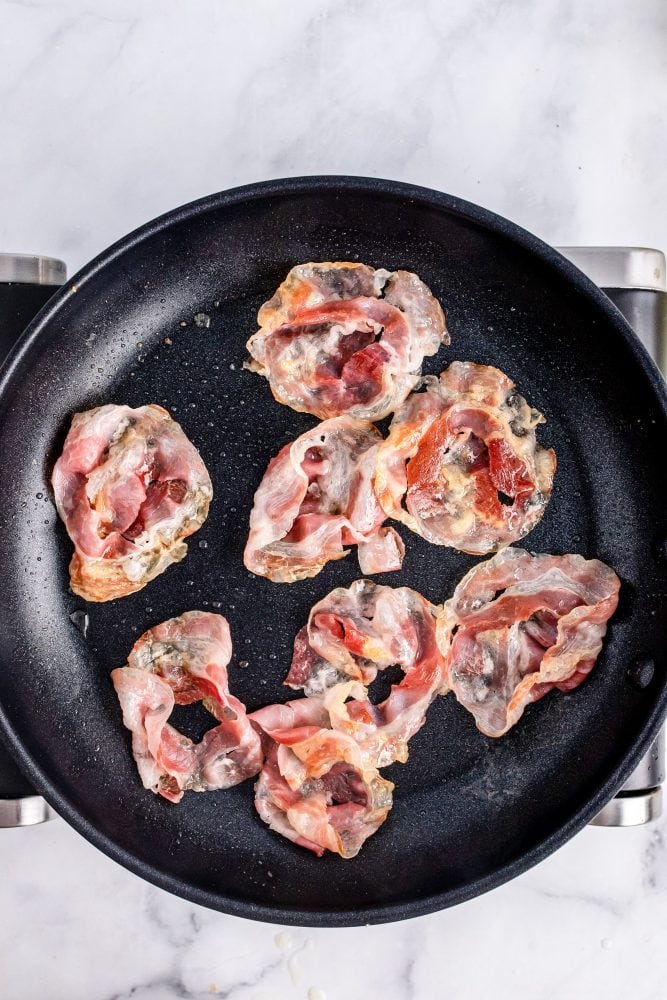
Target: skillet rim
[(421, 905)]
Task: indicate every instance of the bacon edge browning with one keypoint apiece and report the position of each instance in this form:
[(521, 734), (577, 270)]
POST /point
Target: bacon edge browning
[(520, 625), (129, 487), (343, 338), (315, 788), (316, 498), (462, 466), (351, 635), (181, 661)]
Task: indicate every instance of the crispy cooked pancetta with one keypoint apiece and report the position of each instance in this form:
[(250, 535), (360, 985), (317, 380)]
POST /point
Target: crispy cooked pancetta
[(315, 788), (130, 488), (342, 338), (519, 625), (316, 497), (181, 661), (352, 634), (461, 465)]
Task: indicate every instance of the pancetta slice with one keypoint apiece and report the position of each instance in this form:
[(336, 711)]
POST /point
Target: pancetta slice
[(315, 788), (462, 466), (519, 625), (130, 487), (352, 634), (342, 338), (181, 661), (317, 497)]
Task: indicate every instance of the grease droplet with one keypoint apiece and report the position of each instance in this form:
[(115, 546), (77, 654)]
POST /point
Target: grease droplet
[(641, 671), (81, 620)]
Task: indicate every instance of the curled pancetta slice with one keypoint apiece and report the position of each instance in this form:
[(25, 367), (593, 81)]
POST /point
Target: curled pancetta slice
[(316, 497), (342, 338), (315, 788), (519, 625), (352, 634), (181, 661), (461, 465), (130, 487)]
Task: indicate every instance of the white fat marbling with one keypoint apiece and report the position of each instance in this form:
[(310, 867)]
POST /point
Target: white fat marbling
[(551, 113)]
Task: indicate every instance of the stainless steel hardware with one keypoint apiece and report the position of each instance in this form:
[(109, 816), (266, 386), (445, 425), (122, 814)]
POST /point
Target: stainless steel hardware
[(30, 269), (620, 267), (27, 811)]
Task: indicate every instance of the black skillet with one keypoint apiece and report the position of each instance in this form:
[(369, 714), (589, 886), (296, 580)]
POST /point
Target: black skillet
[(470, 812)]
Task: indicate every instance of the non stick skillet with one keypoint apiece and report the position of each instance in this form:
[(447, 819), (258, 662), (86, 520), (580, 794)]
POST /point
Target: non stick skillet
[(470, 812)]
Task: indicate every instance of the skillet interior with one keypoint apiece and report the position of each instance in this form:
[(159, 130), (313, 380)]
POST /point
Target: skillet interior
[(469, 812)]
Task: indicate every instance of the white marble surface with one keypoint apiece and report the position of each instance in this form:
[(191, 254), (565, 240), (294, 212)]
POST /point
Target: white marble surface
[(551, 113)]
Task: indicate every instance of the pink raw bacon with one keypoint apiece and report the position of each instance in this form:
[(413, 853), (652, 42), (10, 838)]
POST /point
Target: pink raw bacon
[(351, 634), (315, 788), (342, 338), (181, 661), (317, 497), (520, 625), (129, 487), (462, 465)]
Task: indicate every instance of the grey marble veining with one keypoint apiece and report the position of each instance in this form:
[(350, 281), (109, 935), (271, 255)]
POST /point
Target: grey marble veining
[(553, 114), (588, 922)]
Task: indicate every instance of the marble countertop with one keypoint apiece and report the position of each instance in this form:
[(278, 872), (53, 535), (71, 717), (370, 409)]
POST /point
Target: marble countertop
[(552, 114)]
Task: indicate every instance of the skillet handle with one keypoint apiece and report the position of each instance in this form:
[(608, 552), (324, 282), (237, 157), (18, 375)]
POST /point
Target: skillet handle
[(19, 805), (26, 284)]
